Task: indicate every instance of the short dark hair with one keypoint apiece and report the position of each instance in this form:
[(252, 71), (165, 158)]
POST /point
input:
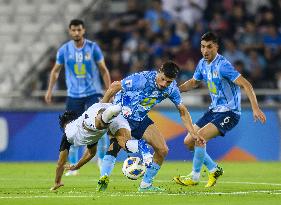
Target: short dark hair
[(67, 117), (76, 22), (170, 69), (209, 36)]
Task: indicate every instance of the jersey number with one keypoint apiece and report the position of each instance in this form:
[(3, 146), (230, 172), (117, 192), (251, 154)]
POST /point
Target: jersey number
[(212, 87), (148, 102)]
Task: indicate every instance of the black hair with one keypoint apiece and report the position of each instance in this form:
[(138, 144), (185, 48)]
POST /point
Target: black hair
[(76, 22), (170, 69), (209, 36), (67, 117)]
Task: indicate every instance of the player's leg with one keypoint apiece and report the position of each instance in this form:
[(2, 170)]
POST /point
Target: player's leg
[(224, 122), (154, 137), (76, 105), (108, 164)]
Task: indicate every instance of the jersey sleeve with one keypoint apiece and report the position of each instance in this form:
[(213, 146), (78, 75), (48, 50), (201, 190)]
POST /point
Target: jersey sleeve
[(197, 74), (133, 82), (175, 96), (60, 56), (229, 72), (97, 53), (64, 144)]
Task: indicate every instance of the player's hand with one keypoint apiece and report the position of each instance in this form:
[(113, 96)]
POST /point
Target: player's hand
[(259, 115), (70, 167), (198, 138), (56, 186), (48, 97)]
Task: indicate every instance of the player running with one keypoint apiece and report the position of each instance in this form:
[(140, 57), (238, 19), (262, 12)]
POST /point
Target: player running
[(224, 84)]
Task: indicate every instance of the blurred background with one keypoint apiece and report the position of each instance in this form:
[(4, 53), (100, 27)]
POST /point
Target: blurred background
[(135, 36)]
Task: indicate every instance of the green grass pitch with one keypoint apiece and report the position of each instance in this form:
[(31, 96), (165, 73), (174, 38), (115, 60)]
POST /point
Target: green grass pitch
[(242, 183)]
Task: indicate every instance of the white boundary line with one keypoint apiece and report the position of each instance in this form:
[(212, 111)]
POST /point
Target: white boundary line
[(137, 194), (121, 180)]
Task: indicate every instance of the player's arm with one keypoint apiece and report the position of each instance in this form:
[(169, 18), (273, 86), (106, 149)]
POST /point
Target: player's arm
[(104, 73), (60, 168), (89, 153), (114, 88), (53, 79), (189, 85), (258, 114), (187, 121)]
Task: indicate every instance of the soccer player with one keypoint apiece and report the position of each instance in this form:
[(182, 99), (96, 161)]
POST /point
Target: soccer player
[(87, 130), (84, 62), (137, 94), (224, 84)]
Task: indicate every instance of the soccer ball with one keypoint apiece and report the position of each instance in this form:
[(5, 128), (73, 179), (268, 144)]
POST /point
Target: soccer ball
[(133, 168)]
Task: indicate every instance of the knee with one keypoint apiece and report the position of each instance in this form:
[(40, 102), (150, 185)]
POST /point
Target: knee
[(189, 143), (162, 152)]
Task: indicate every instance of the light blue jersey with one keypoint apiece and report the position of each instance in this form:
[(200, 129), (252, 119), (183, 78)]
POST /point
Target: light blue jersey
[(219, 76), (140, 93), (82, 73)]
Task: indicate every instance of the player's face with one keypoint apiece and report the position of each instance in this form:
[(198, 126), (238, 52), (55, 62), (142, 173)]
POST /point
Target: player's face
[(76, 32), (163, 81), (209, 50)]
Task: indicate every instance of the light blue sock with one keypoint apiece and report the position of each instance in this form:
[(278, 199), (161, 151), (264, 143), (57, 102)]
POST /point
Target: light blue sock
[(73, 154), (107, 166), (198, 158), (151, 173), (209, 163), (103, 145)]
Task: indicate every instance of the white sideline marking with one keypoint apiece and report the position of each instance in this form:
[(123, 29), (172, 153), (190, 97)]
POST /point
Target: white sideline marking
[(136, 194), (121, 180)]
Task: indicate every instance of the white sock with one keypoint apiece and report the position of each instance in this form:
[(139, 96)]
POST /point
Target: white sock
[(132, 146), (213, 170), (110, 113), (144, 184), (196, 176)]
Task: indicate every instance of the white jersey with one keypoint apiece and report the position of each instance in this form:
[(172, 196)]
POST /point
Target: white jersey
[(83, 131)]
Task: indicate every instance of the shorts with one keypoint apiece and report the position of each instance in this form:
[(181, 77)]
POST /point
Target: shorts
[(138, 127), (224, 121)]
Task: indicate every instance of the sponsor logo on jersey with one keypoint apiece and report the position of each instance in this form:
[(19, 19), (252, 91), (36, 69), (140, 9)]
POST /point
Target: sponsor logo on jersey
[(126, 111)]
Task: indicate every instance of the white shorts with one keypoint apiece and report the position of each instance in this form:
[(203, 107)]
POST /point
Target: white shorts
[(118, 123)]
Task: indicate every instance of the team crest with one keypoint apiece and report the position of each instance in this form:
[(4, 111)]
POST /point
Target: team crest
[(128, 83), (215, 74), (87, 56), (154, 94)]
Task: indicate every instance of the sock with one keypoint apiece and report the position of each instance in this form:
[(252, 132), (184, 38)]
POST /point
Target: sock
[(73, 155), (209, 163), (103, 145), (198, 160), (107, 166), (149, 175), (110, 113), (132, 146)]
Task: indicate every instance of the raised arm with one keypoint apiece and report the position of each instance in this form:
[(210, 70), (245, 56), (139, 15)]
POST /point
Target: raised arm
[(257, 112), (189, 85), (187, 121), (53, 79), (114, 88)]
